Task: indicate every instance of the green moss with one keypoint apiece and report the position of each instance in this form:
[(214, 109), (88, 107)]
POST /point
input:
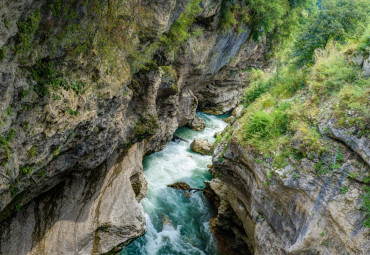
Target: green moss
[(31, 153), (26, 170), (27, 29), (71, 111), (3, 53), (169, 72), (57, 151), (146, 126), (6, 23), (179, 31), (48, 78), (14, 189), (366, 202)]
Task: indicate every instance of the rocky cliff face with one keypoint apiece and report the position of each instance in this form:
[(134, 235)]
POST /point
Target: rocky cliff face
[(312, 205), (74, 129), (303, 214)]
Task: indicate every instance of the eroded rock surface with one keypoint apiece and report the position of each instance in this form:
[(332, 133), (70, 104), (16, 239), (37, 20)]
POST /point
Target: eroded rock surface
[(71, 175), (295, 210)]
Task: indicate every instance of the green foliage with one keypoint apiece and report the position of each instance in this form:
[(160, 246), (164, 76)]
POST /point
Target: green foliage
[(26, 170), (71, 111), (31, 153), (276, 19), (364, 44), (9, 111), (339, 156), (6, 23), (14, 189), (344, 190), (25, 93), (169, 72), (46, 77), (179, 30), (366, 202), (146, 125), (3, 53), (26, 126), (331, 72), (285, 83), (42, 173), (27, 28), (57, 151), (257, 87), (234, 15), (5, 142), (338, 20), (259, 124)]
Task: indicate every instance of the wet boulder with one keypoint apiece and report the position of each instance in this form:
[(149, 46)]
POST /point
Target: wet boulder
[(197, 124), (201, 146), (180, 186), (183, 186)]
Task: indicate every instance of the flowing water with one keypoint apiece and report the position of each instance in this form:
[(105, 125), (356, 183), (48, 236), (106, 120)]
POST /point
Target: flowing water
[(176, 223)]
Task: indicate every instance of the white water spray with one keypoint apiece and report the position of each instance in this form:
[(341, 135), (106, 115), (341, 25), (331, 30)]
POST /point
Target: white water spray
[(178, 224)]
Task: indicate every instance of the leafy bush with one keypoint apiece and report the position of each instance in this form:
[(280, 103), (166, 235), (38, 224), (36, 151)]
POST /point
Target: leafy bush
[(259, 124), (331, 72), (338, 20), (27, 28), (46, 77), (277, 19), (26, 170)]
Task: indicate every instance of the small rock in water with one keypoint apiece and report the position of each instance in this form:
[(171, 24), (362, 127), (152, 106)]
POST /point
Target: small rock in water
[(201, 146), (167, 223), (183, 186), (180, 185), (197, 124), (187, 194), (178, 139)]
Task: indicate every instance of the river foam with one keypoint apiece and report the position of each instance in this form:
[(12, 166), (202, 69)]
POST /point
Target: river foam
[(176, 223)]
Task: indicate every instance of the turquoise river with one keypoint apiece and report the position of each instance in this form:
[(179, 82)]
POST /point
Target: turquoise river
[(176, 223)]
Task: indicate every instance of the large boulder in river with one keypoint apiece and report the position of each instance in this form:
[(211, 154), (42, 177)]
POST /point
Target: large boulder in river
[(197, 124), (201, 146)]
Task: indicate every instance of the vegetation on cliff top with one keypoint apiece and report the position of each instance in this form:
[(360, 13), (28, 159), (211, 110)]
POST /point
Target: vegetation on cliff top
[(276, 20)]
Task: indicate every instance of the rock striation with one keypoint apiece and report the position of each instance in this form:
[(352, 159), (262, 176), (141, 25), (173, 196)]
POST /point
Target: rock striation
[(294, 210)]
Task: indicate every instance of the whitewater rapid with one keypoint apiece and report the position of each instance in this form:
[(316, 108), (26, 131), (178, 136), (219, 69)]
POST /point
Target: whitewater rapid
[(176, 223)]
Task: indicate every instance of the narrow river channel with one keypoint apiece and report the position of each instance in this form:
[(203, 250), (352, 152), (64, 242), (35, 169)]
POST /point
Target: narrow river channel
[(176, 223)]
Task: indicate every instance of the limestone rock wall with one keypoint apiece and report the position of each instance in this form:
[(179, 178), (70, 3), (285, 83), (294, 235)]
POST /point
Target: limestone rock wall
[(70, 174), (295, 210)]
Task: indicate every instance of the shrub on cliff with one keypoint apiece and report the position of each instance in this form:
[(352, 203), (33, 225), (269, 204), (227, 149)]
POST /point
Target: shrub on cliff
[(275, 19)]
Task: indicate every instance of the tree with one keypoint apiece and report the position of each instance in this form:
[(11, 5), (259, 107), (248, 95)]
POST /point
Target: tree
[(338, 20)]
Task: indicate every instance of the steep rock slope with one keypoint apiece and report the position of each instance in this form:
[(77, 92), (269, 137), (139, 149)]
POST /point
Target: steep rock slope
[(85, 93), (284, 186)]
